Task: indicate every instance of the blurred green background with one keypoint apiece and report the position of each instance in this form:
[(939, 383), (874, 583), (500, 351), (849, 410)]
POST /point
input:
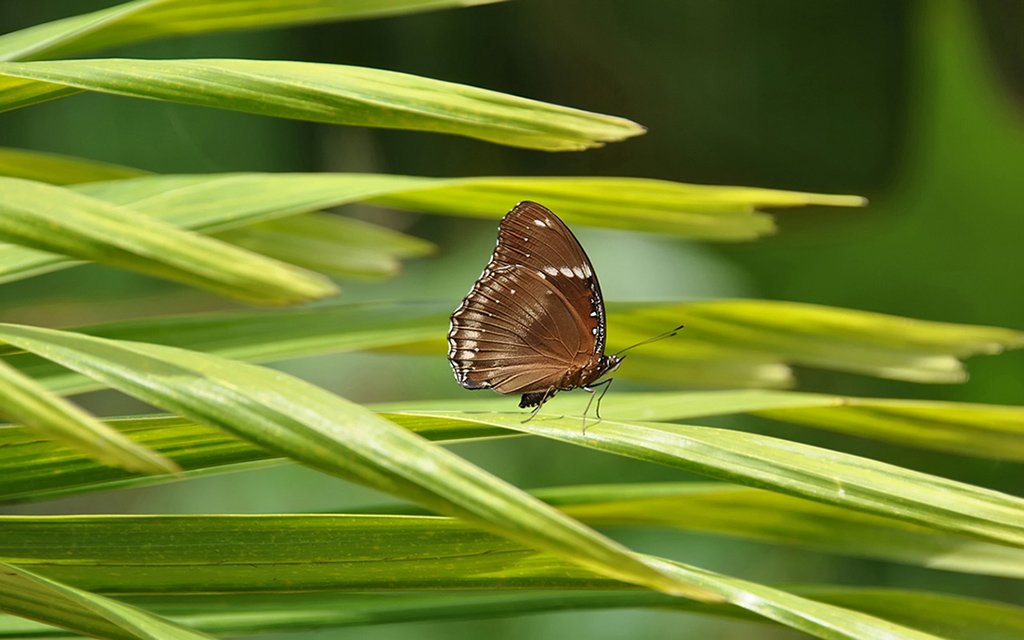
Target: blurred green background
[(916, 105)]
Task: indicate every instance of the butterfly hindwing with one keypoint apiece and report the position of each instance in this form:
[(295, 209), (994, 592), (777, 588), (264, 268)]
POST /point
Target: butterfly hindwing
[(534, 315)]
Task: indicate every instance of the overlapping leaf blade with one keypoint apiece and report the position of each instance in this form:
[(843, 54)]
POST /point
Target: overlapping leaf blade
[(54, 219), (237, 553), (721, 509), (683, 361), (142, 20), (227, 201), (27, 594), (59, 169), (296, 419), (26, 401), (951, 617), (985, 430), (789, 467)]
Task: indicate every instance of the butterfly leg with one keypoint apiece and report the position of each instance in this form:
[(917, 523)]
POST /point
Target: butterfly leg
[(591, 389), (547, 395)]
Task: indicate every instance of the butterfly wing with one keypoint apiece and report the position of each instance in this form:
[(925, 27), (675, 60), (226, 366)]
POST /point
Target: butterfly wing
[(535, 313)]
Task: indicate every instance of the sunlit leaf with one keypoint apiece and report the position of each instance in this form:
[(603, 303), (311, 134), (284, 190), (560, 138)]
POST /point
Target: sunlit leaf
[(24, 400), (29, 595), (58, 220), (293, 418), (991, 431), (59, 169), (698, 357), (227, 201), (142, 20), (303, 552), (331, 244), (793, 468), (951, 617), (328, 93), (721, 509)]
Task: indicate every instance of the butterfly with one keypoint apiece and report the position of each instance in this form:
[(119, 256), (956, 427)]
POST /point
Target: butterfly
[(534, 322)]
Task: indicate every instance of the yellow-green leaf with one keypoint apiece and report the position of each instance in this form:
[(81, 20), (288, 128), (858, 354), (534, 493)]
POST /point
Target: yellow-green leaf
[(333, 94), (54, 219), (24, 400)]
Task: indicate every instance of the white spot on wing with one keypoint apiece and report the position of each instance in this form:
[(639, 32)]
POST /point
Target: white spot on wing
[(566, 271), (540, 223), (542, 276), (551, 271), (579, 272)]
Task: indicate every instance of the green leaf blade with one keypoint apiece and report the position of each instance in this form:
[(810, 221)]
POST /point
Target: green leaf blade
[(294, 418), (49, 218), (26, 401), (30, 595), (331, 94)]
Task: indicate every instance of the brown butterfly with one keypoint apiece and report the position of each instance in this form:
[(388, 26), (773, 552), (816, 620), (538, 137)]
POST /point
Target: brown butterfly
[(534, 321)]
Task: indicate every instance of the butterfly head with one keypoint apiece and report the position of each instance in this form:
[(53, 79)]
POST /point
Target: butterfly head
[(608, 364)]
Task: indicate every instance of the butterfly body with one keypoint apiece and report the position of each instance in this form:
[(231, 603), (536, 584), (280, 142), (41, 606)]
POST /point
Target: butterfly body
[(534, 322)]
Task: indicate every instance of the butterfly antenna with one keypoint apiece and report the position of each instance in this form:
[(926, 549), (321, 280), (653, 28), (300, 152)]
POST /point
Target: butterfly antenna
[(667, 334)]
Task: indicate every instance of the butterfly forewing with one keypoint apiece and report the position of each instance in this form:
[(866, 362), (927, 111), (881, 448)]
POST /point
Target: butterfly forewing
[(534, 315)]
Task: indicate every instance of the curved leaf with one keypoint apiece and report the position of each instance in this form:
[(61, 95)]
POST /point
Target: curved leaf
[(55, 219), (991, 431), (26, 401), (333, 94), (331, 244), (788, 467), (704, 359), (59, 169), (302, 552), (29, 595), (951, 617), (713, 508), (143, 20), (226, 201), (298, 420)]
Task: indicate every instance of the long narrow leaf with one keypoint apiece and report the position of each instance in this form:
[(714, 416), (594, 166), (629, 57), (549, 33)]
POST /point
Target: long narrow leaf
[(296, 419), (721, 509), (54, 219), (991, 431), (951, 617), (682, 361), (59, 169), (789, 467), (331, 244), (143, 20), (227, 201), (29, 595), (26, 401), (334, 94), (239, 553)]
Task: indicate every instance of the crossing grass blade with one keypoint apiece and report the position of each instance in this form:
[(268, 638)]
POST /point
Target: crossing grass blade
[(721, 509), (293, 418), (783, 466), (983, 430), (331, 244), (213, 203), (316, 92), (304, 552), (26, 401), (911, 346), (58, 169), (57, 220), (144, 20), (951, 617), (29, 595)]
